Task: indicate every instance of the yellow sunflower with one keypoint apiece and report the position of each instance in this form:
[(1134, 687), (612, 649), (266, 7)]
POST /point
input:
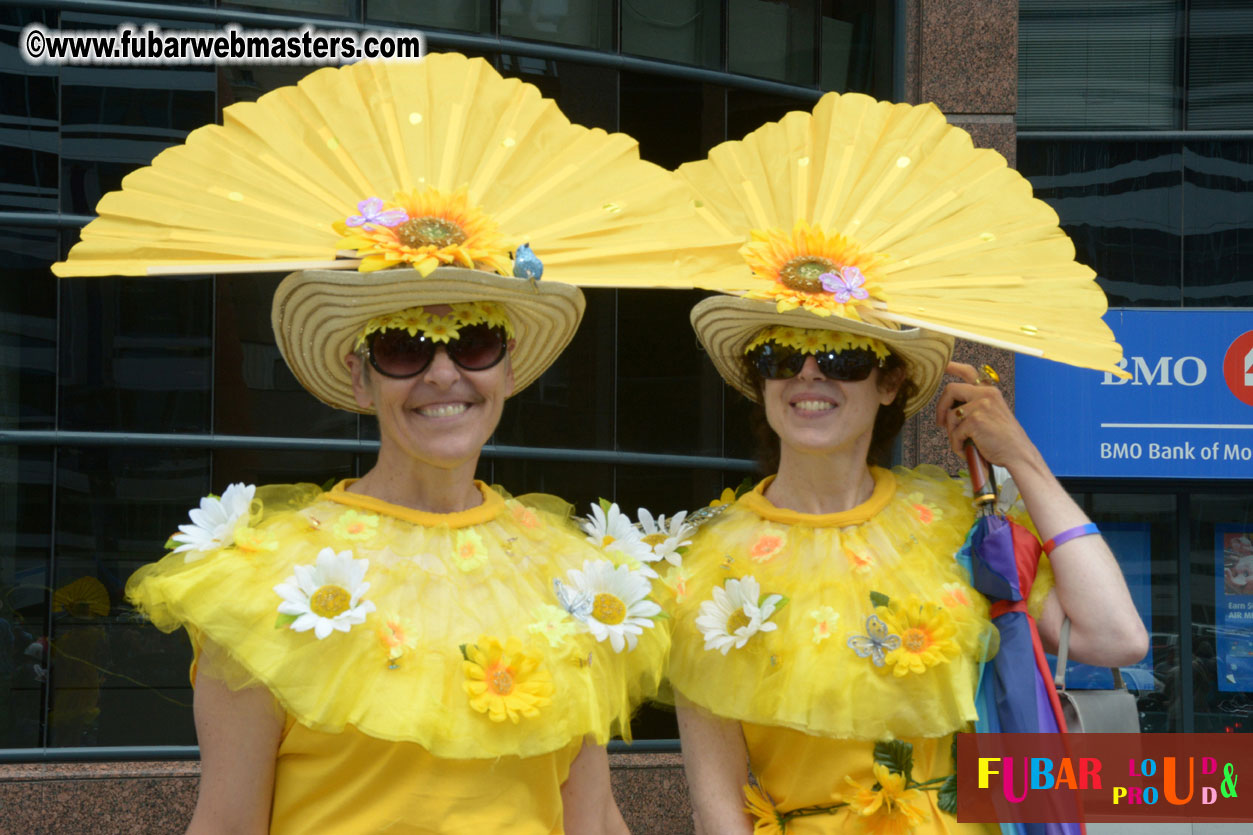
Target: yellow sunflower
[(794, 263), (505, 681), (766, 820), (928, 636), (440, 229), (888, 810)]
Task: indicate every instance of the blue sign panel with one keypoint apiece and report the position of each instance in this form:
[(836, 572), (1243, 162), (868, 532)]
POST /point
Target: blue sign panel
[(1185, 412)]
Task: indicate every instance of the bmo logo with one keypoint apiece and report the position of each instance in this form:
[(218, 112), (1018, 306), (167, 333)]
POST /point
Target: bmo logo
[(1161, 371), (1238, 367)]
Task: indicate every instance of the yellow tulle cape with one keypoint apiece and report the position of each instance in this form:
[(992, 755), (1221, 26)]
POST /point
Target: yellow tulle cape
[(802, 672), (451, 592)]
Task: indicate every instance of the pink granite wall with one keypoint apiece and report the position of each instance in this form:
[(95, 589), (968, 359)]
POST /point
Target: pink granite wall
[(156, 798), (963, 55)]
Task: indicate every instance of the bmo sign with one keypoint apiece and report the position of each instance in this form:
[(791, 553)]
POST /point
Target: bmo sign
[(1185, 410)]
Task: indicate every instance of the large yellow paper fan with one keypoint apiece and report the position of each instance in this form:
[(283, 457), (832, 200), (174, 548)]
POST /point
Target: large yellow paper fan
[(930, 231), (265, 190)]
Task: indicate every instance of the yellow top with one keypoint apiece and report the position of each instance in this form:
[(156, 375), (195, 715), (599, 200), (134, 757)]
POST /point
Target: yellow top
[(838, 631), (439, 671)]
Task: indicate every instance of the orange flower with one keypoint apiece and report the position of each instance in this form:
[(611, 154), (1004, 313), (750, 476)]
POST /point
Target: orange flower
[(791, 265), (768, 545), (525, 517), (440, 230), (888, 810)]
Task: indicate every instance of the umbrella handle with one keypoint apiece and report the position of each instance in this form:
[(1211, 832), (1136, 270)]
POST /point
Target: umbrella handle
[(981, 484)]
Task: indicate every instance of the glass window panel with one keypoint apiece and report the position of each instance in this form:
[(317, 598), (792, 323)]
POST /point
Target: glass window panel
[(857, 46), (685, 31), (772, 39), (587, 95), (115, 119), (25, 547), (748, 110), (572, 404), (115, 678), (674, 121), (238, 82), (670, 489), (255, 392), (1220, 65), (1222, 610), (574, 22), (299, 8), (1142, 531), (136, 354), (1098, 64), (28, 329), (464, 15), (288, 466), (1120, 203), (28, 120), (1218, 224), (740, 419), (668, 393)]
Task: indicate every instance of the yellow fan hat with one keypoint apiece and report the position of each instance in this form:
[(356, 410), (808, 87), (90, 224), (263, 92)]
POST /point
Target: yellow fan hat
[(419, 182), (884, 220)]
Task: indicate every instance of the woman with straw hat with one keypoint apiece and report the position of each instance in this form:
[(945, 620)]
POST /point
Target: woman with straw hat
[(824, 614), (411, 651)]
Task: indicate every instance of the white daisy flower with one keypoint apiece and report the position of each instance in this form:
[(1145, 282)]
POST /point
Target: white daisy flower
[(736, 614), (664, 538), (612, 530), (326, 597), (609, 601), (213, 523)]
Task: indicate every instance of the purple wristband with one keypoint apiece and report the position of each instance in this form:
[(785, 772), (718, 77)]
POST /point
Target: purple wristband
[(1065, 536)]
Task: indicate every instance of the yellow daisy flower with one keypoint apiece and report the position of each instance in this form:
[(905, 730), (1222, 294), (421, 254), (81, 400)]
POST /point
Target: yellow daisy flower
[(468, 550), (441, 230), (505, 681), (767, 545), (553, 623), (890, 809), (792, 264), (928, 636), (727, 497), (825, 619), (356, 527), (766, 820)]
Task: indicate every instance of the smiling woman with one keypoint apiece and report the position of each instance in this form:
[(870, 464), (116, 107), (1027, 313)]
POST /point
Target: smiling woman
[(827, 636), (399, 653)]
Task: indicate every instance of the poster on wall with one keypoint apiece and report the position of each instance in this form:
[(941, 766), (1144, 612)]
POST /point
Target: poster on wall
[(1131, 543), (1233, 607)]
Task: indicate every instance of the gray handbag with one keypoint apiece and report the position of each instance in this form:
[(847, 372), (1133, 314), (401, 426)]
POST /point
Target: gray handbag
[(1094, 711)]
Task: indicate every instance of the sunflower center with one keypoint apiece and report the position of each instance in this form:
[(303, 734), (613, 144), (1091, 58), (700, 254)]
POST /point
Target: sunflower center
[(430, 231), (738, 620), (608, 609), (804, 273), (500, 680), (329, 601), (655, 539), (915, 640)]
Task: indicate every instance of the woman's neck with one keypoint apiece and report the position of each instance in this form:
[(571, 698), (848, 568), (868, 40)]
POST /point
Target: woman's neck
[(820, 484), (421, 486)]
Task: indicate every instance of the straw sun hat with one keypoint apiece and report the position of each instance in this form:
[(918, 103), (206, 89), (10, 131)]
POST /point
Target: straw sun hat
[(382, 186)]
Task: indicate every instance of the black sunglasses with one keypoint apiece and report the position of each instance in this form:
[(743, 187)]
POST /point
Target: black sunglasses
[(394, 353), (780, 362)]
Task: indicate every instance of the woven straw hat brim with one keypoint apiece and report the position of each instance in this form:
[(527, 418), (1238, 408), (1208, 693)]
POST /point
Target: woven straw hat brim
[(725, 324), (318, 314)]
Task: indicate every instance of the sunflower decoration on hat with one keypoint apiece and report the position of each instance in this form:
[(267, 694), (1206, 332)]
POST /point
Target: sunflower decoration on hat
[(884, 224), (387, 187)]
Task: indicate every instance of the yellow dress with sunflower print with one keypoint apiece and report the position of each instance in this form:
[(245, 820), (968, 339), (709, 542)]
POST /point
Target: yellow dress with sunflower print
[(439, 672), (829, 635)]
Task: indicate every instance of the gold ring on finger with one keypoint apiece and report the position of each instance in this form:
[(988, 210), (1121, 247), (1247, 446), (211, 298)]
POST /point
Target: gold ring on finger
[(988, 376), (960, 412)]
